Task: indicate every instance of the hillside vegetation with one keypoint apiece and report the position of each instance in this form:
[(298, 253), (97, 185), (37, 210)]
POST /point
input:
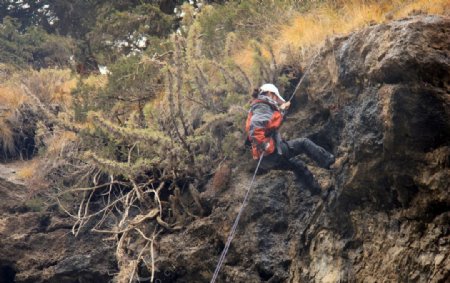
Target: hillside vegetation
[(117, 150)]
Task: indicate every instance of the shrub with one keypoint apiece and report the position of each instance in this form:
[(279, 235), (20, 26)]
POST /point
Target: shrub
[(33, 47)]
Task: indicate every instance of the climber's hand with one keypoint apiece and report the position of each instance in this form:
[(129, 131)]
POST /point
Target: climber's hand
[(285, 106)]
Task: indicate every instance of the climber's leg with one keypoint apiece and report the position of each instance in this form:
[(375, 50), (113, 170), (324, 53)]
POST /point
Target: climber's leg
[(303, 145), (270, 162), (282, 162), (304, 175)]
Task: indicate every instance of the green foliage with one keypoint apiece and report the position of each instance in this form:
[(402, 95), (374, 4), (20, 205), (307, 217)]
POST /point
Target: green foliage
[(127, 169), (134, 81), (233, 98), (217, 22), (173, 113), (245, 19), (157, 47), (27, 12), (85, 100), (73, 18), (33, 47), (169, 104), (230, 145), (94, 31), (118, 33), (127, 133)]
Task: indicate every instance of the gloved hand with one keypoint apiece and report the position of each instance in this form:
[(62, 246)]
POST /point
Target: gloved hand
[(285, 105), (265, 146)]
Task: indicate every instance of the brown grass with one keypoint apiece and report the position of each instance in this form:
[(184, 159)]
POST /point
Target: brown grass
[(96, 81), (305, 31), (59, 142), (52, 87), (32, 174), (6, 138), (29, 170), (10, 99)]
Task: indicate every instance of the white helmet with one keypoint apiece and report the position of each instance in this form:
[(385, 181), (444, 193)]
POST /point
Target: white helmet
[(271, 88)]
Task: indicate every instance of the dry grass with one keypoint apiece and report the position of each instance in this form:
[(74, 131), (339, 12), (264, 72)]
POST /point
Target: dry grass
[(434, 7), (52, 87), (305, 31), (29, 170), (244, 58), (32, 174), (6, 138), (11, 97), (10, 100), (58, 143), (96, 81)]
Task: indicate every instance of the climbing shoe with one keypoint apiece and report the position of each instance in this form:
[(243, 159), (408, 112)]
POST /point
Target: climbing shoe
[(304, 176)]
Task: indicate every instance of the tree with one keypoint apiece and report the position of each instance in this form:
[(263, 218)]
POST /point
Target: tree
[(27, 12), (33, 46), (119, 33)]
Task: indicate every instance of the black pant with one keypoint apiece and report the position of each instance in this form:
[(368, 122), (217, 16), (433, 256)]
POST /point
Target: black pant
[(287, 161)]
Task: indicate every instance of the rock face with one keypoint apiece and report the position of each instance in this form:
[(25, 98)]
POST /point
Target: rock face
[(37, 246), (379, 100)]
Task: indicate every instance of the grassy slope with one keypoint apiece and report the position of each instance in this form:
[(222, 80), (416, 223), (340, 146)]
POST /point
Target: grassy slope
[(307, 30)]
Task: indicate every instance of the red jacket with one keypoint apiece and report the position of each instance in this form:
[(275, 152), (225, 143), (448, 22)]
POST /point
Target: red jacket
[(263, 121)]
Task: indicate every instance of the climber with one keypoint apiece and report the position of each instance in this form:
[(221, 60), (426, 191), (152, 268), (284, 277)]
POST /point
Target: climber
[(264, 119)]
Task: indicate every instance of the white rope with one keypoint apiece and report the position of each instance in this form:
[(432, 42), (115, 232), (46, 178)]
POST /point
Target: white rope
[(234, 228)]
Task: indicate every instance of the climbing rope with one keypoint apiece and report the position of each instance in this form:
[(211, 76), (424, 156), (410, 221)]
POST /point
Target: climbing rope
[(234, 228), (236, 221)]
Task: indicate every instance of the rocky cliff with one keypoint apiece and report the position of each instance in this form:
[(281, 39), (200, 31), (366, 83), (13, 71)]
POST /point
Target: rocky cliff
[(379, 100)]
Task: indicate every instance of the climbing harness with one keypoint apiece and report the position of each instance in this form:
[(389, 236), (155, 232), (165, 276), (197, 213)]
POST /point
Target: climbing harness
[(234, 228)]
